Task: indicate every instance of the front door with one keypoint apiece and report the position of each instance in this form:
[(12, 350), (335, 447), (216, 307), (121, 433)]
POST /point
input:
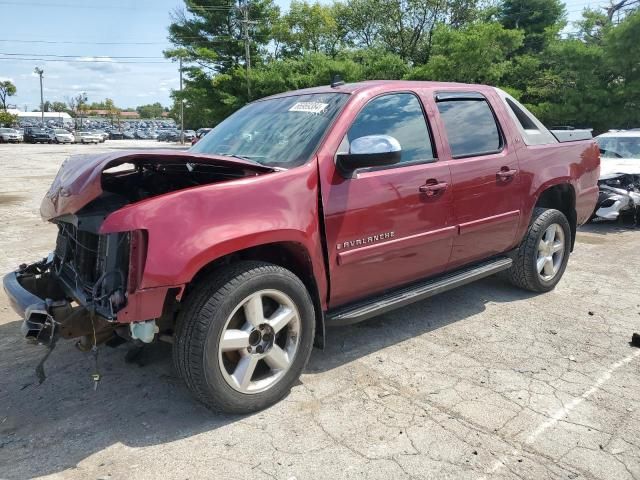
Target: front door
[(387, 226), (485, 175)]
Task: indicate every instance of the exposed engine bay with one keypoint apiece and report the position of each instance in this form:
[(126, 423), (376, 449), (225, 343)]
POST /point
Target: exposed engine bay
[(619, 195), (80, 288), (145, 179), (96, 267)]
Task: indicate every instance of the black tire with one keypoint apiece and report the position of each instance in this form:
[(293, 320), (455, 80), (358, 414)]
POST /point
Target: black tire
[(524, 273), (201, 322)]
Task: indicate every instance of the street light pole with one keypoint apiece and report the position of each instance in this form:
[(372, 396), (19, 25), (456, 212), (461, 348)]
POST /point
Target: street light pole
[(247, 45), (39, 72)]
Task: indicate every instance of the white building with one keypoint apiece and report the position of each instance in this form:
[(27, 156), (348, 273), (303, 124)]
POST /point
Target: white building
[(36, 117)]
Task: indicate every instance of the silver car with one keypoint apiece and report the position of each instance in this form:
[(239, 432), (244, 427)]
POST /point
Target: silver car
[(9, 135)]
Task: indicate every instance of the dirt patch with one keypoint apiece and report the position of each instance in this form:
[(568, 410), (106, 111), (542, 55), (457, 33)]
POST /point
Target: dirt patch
[(590, 239), (6, 198)]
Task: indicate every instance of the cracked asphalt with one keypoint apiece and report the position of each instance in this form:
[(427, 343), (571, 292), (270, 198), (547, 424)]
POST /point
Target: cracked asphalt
[(482, 382)]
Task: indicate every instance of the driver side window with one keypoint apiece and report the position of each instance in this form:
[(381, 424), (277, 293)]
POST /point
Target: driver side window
[(400, 116)]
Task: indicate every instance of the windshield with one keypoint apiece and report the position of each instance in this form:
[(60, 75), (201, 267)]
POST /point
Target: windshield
[(7, 130), (619, 147), (59, 130), (281, 132)]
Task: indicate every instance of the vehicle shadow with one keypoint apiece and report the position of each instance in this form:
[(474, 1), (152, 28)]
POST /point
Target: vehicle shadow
[(149, 405), (345, 344), (608, 228)]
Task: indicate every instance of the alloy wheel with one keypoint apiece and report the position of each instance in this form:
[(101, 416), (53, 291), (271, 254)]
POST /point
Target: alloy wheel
[(550, 252), (259, 341)]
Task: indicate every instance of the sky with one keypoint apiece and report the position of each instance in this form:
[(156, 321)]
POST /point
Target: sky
[(60, 35)]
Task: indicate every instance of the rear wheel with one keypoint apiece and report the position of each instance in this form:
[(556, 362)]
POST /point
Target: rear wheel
[(244, 337), (542, 257)]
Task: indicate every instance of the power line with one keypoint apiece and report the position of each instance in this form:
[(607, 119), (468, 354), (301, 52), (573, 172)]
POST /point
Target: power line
[(76, 61), (104, 7), (80, 42), (102, 58)]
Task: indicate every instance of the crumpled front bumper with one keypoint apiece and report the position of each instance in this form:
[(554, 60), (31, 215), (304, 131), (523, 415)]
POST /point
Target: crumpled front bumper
[(38, 299), (50, 308)]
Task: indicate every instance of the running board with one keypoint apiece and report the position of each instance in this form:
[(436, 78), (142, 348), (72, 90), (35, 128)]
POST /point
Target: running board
[(399, 298)]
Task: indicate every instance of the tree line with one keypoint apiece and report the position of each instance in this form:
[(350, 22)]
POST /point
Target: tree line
[(76, 106), (585, 75)]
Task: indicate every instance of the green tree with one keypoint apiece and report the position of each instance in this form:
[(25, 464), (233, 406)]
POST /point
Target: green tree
[(313, 28), (478, 53), (7, 89), (622, 54), (59, 107), (540, 20), (150, 111), (588, 79), (7, 119), (210, 33)]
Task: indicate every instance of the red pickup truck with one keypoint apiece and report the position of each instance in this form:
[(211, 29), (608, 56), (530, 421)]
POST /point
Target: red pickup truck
[(321, 206)]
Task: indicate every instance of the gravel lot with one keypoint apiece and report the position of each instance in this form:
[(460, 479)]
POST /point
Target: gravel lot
[(482, 382)]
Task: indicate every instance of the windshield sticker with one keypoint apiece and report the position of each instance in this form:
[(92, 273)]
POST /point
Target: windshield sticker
[(309, 107)]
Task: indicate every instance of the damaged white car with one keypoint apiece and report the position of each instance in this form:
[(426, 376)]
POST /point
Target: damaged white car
[(619, 175)]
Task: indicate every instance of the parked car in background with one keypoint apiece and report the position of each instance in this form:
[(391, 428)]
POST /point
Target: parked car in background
[(189, 135), (619, 175), (9, 135), (38, 135), (102, 134), (323, 206), (201, 132), (116, 135), (87, 137), (63, 136)]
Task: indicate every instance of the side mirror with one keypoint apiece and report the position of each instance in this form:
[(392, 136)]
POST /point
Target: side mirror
[(370, 151)]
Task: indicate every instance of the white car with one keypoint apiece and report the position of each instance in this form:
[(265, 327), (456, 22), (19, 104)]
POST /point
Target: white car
[(619, 175), (63, 136), (9, 135), (102, 135), (87, 137)]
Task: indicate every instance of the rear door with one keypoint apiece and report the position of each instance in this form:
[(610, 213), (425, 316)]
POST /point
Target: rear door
[(386, 226), (485, 176)]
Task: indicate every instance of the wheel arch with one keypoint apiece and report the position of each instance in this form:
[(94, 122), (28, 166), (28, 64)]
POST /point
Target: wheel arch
[(561, 197), (290, 255)]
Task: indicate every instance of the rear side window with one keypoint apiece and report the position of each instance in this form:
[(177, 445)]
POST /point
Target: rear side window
[(525, 122), (470, 126), (400, 116)]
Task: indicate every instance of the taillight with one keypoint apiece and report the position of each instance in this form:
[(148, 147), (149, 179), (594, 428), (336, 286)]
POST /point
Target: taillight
[(137, 258)]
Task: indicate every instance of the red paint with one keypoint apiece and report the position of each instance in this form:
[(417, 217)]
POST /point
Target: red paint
[(478, 213)]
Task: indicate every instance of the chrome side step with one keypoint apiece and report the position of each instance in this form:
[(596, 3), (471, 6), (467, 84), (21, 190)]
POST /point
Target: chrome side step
[(404, 296)]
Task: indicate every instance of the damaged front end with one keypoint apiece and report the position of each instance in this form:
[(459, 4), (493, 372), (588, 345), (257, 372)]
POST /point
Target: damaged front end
[(619, 195), (92, 285), (39, 296), (78, 290)]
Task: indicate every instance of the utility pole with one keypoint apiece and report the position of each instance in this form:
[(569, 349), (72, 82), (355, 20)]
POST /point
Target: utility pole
[(39, 72), (181, 108), (247, 45)]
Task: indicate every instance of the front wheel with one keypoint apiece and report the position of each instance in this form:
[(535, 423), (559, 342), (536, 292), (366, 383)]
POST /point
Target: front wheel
[(244, 336), (542, 257)]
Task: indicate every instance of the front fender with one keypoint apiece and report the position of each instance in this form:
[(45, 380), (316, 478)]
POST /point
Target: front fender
[(190, 228)]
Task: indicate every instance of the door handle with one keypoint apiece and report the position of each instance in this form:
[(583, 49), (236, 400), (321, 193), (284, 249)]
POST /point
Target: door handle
[(433, 188), (505, 174)]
